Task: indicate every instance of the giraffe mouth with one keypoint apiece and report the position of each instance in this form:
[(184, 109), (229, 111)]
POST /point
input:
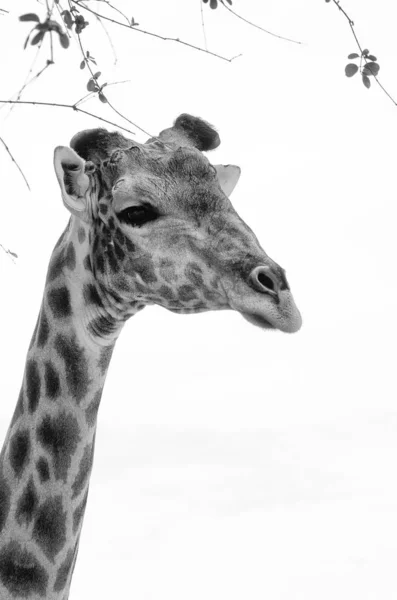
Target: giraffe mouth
[(258, 320), (266, 312)]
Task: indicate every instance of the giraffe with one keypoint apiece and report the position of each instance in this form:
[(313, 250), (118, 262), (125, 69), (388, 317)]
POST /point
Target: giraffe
[(150, 223)]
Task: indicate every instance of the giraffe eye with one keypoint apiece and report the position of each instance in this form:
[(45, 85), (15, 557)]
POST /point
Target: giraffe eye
[(137, 215)]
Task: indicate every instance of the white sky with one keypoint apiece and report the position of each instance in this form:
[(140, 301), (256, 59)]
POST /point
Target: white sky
[(230, 462)]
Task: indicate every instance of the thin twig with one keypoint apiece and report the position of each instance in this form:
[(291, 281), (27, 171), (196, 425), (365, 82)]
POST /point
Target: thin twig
[(116, 9), (351, 24), (109, 40), (72, 106), (128, 120), (160, 37), (14, 161), (202, 25), (100, 90), (280, 37)]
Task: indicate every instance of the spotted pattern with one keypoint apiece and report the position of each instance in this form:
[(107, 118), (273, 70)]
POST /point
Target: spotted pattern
[(106, 355), (4, 501), (19, 409), (59, 435), (81, 235), (19, 451), (91, 295), (33, 385), (79, 513), (76, 365), (87, 263), (70, 257), (144, 267), (84, 470), (43, 469), (63, 571), (27, 504), (44, 330), (92, 410), (59, 302), (21, 572), (52, 383), (56, 266), (49, 530)]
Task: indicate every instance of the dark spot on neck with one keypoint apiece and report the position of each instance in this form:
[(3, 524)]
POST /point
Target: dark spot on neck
[(43, 469), (49, 529), (44, 329), (33, 385), (70, 258), (81, 235), (51, 378), (19, 451), (59, 435), (76, 365), (27, 504), (21, 572)]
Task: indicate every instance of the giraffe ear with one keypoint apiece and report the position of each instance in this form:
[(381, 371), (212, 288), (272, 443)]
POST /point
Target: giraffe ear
[(74, 182), (228, 176)]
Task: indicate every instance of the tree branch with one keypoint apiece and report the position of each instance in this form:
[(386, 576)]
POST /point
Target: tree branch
[(351, 25), (280, 37), (15, 162), (160, 37), (72, 106)]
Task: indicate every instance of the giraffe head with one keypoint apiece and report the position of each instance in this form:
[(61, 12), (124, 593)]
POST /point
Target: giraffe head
[(162, 229)]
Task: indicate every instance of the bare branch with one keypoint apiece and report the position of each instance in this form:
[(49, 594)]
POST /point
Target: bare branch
[(128, 120), (14, 161), (202, 25), (72, 106), (280, 37), (160, 37)]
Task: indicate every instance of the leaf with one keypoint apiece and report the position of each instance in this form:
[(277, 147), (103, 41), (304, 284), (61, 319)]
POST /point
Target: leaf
[(365, 52), (351, 69), (371, 68), (366, 81), (30, 17), (37, 38), (371, 57), (91, 87), (97, 74), (67, 17), (354, 55), (102, 97), (82, 64), (63, 38)]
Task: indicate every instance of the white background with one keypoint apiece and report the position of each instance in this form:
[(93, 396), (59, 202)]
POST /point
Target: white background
[(231, 462)]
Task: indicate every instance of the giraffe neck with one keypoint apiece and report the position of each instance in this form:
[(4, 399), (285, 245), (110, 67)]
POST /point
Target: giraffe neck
[(47, 457)]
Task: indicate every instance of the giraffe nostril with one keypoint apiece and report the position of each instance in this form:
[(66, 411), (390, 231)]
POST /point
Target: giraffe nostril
[(264, 281)]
